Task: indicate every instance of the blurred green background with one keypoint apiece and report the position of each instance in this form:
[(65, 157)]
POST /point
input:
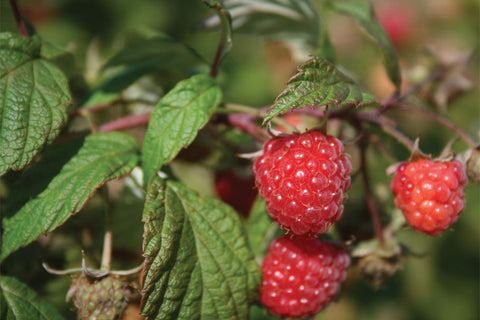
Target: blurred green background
[(443, 284)]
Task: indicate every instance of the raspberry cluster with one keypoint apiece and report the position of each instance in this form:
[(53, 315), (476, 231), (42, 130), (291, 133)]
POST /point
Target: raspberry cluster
[(430, 193), (300, 275), (303, 178)]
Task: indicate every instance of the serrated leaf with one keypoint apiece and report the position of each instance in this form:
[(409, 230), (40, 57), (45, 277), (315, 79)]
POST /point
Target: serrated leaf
[(101, 158), (176, 119), (34, 97), (198, 264), (318, 83), (36, 179), (363, 13), (295, 21), (261, 229), (18, 301)]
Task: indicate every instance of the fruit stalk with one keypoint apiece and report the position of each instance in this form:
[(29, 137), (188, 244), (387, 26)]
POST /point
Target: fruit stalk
[(107, 239)]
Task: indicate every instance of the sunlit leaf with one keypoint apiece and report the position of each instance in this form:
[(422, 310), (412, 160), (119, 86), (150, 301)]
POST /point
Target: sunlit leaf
[(198, 263), (101, 158), (176, 119), (318, 83), (34, 97)]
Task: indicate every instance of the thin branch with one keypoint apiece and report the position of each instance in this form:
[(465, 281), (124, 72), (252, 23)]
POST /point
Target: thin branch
[(435, 117), (18, 18), (225, 42), (381, 122), (126, 122)]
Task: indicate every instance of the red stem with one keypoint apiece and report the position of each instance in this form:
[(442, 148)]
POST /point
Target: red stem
[(127, 122), (435, 117), (372, 208), (18, 18)]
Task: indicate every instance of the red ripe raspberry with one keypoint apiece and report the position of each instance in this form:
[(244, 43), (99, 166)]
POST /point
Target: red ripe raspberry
[(430, 193), (301, 275), (303, 179), (236, 190)]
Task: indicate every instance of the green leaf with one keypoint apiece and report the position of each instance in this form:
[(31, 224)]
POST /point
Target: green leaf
[(18, 301), (112, 88), (261, 229), (319, 83), (157, 52), (34, 97), (176, 119), (101, 158), (198, 264), (362, 12), (295, 21), (36, 179)]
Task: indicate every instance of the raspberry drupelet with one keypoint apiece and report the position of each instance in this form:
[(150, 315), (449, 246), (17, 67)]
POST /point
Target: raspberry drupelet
[(303, 178)]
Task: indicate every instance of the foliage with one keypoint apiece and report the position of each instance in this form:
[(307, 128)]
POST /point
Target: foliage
[(99, 124)]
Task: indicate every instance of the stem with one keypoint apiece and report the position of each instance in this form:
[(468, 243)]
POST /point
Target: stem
[(258, 113), (225, 43), (126, 122), (107, 240), (372, 208), (374, 119), (18, 18), (445, 122)]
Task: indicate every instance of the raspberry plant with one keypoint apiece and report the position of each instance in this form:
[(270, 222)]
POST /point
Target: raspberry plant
[(129, 186)]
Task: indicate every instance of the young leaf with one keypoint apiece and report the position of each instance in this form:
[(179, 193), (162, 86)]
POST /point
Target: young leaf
[(363, 13), (34, 97), (198, 264), (18, 301), (318, 83), (261, 229), (102, 157), (295, 21), (176, 119)]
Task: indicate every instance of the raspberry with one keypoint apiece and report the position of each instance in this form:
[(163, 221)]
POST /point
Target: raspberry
[(303, 179), (236, 190), (430, 193), (301, 275), (102, 299)]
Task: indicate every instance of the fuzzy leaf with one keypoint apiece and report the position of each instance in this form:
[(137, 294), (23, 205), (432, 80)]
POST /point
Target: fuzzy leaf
[(101, 158), (198, 263), (319, 83), (34, 97), (176, 119), (363, 13), (18, 301), (295, 21)]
